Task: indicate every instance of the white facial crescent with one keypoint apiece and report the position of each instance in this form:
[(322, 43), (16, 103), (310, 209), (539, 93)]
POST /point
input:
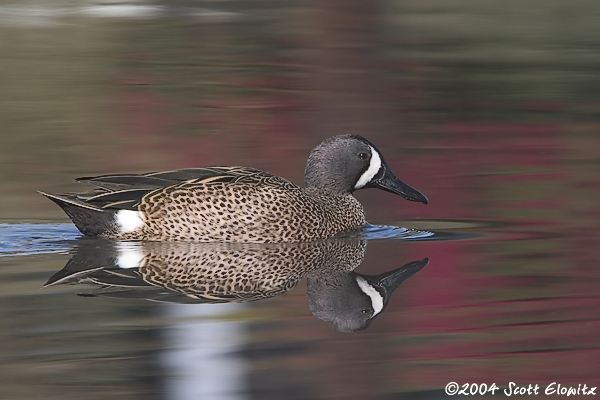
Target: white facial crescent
[(373, 169)]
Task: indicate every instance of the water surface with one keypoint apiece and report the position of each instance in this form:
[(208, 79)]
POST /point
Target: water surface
[(489, 110)]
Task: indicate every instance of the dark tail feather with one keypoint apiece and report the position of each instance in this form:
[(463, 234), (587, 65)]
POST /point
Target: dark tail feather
[(90, 220)]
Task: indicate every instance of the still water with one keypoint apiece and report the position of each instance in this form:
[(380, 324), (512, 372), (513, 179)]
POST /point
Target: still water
[(491, 110)]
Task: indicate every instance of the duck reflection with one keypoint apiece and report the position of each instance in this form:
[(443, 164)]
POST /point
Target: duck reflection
[(348, 301), (192, 273)]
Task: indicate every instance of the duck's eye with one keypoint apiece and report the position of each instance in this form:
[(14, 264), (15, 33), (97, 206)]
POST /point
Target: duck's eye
[(363, 156)]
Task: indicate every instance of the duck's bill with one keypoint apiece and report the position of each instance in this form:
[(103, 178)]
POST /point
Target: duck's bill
[(390, 280), (390, 183)]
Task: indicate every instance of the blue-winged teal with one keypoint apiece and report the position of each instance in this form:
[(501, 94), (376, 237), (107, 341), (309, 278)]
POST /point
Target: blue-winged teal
[(187, 272), (237, 204)]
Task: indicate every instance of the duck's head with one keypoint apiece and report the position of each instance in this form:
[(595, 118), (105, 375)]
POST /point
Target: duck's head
[(343, 164)]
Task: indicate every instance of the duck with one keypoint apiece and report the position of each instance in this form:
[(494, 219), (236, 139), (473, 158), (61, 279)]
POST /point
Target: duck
[(237, 204), (210, 273)]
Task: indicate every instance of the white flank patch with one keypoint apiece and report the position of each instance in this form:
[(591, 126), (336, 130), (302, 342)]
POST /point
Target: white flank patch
[(129, 220), (376, 298), (130, 256), (373, 169)]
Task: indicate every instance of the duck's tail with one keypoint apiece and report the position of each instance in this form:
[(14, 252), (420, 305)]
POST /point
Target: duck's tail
[(89, 219)]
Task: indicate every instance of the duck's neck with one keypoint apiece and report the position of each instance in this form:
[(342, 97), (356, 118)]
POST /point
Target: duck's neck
[(332, 189), (341, 209)]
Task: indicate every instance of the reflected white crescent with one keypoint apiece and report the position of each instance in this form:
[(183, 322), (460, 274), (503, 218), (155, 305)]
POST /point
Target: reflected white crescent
[(376, 298)]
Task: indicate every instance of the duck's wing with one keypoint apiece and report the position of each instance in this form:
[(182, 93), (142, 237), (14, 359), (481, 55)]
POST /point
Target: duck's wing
[(125, 191)]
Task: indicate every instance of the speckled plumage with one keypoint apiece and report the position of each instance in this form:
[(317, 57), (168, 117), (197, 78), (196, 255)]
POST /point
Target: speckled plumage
[(245, 272), (237, 204), (253, 207), (207, 272)]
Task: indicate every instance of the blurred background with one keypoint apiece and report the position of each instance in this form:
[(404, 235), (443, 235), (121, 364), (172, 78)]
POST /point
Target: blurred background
[(492, 109)]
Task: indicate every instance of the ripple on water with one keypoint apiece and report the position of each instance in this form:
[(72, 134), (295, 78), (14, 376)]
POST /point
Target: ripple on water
[(30, 239), (430, 230), (395, 232)]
